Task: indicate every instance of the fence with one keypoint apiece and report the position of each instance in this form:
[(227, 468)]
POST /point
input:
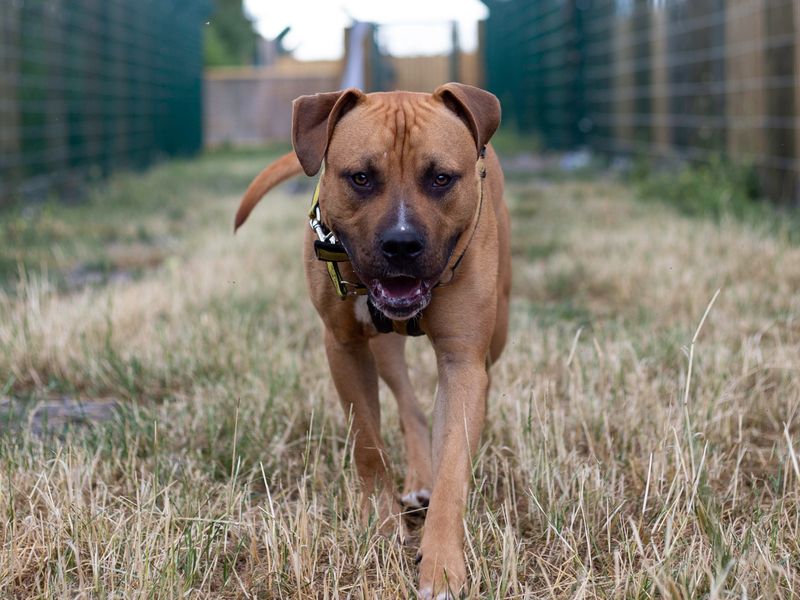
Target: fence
[(419, 71), (249, 106), (661, 78), (92, 85), (253, 105)]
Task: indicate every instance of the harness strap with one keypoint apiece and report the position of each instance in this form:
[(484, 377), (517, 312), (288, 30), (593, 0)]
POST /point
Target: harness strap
[(475, 220), (384, 324), (330, 250)]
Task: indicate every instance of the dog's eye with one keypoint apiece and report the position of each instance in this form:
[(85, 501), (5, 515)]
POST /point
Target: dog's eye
[(442, 180), (360, 179)]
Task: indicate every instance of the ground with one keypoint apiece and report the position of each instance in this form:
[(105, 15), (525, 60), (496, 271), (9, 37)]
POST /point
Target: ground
[(170, 428)]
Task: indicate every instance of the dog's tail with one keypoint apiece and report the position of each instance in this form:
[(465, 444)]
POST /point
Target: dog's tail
[(279, 171)]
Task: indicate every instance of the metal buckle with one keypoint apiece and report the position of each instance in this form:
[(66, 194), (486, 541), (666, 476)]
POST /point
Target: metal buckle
[(343, 288), (317, 227)]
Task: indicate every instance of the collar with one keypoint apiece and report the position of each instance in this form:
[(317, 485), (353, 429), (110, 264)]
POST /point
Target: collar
[(331, 251)]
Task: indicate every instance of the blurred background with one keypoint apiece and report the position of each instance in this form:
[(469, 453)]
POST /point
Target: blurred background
[(91, 86)]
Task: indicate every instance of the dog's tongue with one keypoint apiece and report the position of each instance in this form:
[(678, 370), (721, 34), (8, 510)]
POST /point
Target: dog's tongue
[(401, 287)]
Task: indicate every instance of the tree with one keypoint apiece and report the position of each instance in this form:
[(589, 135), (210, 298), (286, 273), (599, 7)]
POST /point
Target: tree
[(229, 37)]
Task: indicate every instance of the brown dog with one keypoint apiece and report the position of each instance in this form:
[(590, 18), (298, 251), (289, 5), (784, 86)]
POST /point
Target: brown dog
[(412, 234)]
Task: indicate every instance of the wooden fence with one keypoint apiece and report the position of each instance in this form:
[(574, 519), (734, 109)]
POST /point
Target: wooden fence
[(249, 106)]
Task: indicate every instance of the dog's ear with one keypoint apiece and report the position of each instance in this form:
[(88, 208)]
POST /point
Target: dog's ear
[(313, 120), (479, 109)]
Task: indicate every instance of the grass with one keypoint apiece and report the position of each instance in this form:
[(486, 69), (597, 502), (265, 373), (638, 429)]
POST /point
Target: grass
[(707, 190), (224, 469), (715, 190), (508, 140)]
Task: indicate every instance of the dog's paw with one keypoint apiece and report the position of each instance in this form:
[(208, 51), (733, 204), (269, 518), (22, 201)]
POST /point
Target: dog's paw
[(415, 507), (416, 500), (383, 509), (442, 575), (428, 595)]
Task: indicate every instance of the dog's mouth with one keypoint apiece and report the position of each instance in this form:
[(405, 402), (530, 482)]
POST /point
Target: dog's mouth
[(401, 297)]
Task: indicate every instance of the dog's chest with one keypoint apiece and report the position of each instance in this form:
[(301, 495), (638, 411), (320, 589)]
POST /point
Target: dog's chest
[(361, 310)]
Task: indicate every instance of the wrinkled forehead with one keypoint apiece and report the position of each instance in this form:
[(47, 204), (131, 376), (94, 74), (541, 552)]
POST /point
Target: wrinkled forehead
[(401, 128)]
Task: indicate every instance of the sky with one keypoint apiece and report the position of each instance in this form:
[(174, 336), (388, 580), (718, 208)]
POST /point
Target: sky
[(409, 27)]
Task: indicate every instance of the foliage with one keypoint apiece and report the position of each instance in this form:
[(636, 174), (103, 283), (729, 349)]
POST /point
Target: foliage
[(230, 39), (509, 141), (711, 189)]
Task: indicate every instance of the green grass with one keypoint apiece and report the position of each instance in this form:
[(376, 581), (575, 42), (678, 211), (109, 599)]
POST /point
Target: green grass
[(125, 224), (224, 469), (508, 140), (716, 190)]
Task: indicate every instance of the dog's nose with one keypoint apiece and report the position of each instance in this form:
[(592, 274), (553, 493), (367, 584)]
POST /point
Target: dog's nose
[(401, 245)]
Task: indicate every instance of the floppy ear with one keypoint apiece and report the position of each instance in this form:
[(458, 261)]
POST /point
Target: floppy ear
[(313, 120), (479, 109)]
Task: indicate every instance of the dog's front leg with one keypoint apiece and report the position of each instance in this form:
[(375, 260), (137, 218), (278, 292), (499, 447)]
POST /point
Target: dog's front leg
[(356, 379), (457, 423), (389, 353)]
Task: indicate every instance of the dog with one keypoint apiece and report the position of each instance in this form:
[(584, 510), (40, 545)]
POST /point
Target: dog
[(409, 235)]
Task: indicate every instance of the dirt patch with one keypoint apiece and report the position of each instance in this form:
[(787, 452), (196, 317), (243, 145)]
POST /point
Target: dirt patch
[(55, 416)]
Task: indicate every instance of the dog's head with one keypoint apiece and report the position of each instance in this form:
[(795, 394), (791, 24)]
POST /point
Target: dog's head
[(401, 183)]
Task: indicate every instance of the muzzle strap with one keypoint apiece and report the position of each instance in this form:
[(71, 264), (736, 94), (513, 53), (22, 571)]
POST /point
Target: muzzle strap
[(384, 324)]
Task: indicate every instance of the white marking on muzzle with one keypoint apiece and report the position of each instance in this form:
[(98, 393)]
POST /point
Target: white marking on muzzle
[(402, 217)]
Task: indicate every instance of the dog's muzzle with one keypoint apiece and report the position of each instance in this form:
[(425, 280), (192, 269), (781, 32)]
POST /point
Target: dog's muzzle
[(400, 297)]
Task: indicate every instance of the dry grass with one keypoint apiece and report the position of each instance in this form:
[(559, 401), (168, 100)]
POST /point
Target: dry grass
[(225, 470)]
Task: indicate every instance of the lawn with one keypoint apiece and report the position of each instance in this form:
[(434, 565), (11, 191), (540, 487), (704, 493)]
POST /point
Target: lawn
[(168, 426)]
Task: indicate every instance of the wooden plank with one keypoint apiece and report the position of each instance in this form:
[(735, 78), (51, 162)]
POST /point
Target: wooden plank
[(745, 61), (796, 6), (662, 138), (780, 99), (247, 111), (56, 151), (624, 82)]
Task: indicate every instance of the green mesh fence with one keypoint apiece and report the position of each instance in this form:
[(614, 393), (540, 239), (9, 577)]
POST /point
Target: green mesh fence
[(688, 79), (533, 66), (88, 86)]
